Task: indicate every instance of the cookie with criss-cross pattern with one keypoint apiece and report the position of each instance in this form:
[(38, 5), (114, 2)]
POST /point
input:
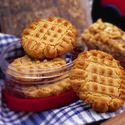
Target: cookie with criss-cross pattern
[(30, 69), (49, 38), (48, 89), (38, 78), (97, 79)]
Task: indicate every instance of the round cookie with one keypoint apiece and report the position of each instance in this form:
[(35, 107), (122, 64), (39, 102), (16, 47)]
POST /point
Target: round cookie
[(97, 79), (47, 90), (49, 38), (29, 78), (30, 69)]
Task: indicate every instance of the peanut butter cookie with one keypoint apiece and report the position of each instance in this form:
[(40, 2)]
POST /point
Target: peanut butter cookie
[(98, 80), (49, 38), (106, 37), (29, 69), (37, 78), (47, 90)]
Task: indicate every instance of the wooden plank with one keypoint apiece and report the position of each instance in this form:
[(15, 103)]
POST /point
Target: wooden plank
[(116, 120)]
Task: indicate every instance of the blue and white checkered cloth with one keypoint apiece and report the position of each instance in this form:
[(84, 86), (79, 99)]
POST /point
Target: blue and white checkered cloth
[(76, 113)]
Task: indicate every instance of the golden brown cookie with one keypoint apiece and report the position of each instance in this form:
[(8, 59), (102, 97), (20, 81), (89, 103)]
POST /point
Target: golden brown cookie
[(31, 69), (39, 78), (49, 38), (47, 90), (98, 80), (106, 37)]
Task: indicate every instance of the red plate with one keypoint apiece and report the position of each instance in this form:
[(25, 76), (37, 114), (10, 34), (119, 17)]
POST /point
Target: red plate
[(37, 105)]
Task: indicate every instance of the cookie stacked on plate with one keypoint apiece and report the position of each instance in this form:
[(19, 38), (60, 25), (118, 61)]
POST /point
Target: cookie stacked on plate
[(44, 41)]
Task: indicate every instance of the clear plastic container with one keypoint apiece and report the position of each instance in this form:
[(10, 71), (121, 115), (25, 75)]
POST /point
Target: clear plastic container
[(17, 14), (15, 80)]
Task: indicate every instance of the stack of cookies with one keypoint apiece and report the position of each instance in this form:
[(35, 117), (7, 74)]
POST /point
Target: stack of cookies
[(44, 41), (95, 76)]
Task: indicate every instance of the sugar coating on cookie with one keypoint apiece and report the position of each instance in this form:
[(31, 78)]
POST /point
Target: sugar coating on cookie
[(97, 79), (49, 38)]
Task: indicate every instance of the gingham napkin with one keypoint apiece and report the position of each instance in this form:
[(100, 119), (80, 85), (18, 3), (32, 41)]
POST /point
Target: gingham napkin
[(76, 113)]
